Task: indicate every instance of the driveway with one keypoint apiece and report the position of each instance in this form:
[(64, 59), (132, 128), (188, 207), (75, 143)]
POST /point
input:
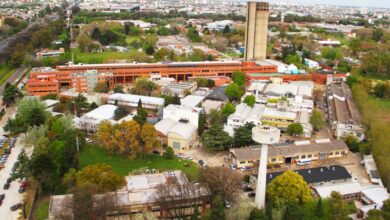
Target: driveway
[(211, 158), (12, 196)]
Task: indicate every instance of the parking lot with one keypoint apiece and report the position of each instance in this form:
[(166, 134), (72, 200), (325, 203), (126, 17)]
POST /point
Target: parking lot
[(12, 196)]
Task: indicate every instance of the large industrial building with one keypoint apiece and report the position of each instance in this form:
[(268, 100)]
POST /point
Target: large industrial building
[(84, 77), (256, 31)]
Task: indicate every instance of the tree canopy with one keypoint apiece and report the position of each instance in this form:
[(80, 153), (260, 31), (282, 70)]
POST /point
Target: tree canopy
[(250, 100), (102, 175), (243, 135), (290, 187), (295, 129), (317, 120), (216, 138), (234, 92)]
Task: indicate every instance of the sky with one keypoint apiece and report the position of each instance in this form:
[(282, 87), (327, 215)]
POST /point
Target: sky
[(359, 3)]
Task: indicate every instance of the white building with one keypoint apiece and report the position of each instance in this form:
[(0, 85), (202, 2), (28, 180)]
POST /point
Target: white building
[(244, 114), (192, 100), (128, 100), (92, 119), (182, 113), (312, 64)]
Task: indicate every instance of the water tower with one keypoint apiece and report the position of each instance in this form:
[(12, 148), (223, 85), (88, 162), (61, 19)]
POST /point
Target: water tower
[(264, 135)]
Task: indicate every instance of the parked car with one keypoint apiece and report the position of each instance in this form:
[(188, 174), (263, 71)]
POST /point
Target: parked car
[(243, 169), (24, 184), (201, 162), (251, 195), (9, 180), (233, 167), (16, 206), (22, 190), (6, 186), (303, 162), (2, 196), (247, 189)]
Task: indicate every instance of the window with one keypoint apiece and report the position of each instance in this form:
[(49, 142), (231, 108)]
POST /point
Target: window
[(331, 153), (242, 162), (176, 145), (309, 156), (250, 161), (273, 159), (303, 156), (337, 153)]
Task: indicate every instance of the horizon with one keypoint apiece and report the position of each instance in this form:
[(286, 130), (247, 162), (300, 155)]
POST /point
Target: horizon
[(354, 3)]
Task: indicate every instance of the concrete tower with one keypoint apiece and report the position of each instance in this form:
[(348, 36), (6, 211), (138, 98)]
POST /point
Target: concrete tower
[(263, 135), (256, 31)]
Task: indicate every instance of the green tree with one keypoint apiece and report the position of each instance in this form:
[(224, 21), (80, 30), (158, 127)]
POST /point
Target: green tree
[(295, 129), (168, 153), (239, 78), (258, 214), (234, 92), (101, 87), (201, 123), (120, 112), (217, 209), (352, 142), (118, 89), (141, 115), (228, 109), (374, 214), (338, 208), (293, 59), (243, 135), (319, 209), (10, 93), (226, 30), (215, 117), (102, 175), (93, 106), (78, 104), (250, 100), (386, 209), (317, 120), (216, 138), (290, 187), (143, 86), (293, 211)]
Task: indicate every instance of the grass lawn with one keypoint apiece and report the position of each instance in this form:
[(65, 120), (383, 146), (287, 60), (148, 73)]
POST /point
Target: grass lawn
[(91, 154), (130, 39), (42, 209), (5, 73), (384, 104), (103, 57)]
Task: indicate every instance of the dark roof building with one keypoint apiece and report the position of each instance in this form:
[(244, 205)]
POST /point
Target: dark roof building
[(218, 94)]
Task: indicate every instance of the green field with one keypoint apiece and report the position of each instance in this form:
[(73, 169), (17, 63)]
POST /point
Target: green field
[(91, 155), (102, 57), (5, 73), (130, 39), (42, 209), (384, 104)]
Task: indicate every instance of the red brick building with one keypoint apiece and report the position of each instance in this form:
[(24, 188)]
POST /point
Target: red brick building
[(83, 77)]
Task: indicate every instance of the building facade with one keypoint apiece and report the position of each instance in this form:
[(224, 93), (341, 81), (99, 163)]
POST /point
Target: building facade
[(256, 31), (44, 81)]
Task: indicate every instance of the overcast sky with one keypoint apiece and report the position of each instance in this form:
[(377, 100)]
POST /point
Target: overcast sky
[(360, 3)]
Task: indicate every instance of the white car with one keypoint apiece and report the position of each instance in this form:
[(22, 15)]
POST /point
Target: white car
[(303, 162)]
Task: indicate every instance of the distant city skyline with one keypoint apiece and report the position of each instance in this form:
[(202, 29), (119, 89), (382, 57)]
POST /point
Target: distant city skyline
[(358, 3)]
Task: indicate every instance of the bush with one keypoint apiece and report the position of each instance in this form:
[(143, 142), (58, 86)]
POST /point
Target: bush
[(168, 153)]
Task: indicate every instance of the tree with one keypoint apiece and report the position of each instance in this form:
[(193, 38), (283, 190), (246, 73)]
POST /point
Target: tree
[(317, 120), (228, 109), (226, 30), (215, 117), (293, 59), (290, 187), (318, 95), (143, 86), (243, 135), (148, 139), (101, 87), (141, 115), (216, 138), (352, 142), (78, 104), (374, 214), (239, 78), (250, 100), (386, 209), (201, 123), (319, 209), (294, 129), (258, 214), (120, 112), (10, 93), (222, 182), (102, 175), (168, 153), (31, 112), (149, 49), (93, 106), (217, 209), (234, 92), (338, 208)]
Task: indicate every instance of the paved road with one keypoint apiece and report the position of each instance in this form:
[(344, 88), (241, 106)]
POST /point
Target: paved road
[(17, 74)]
